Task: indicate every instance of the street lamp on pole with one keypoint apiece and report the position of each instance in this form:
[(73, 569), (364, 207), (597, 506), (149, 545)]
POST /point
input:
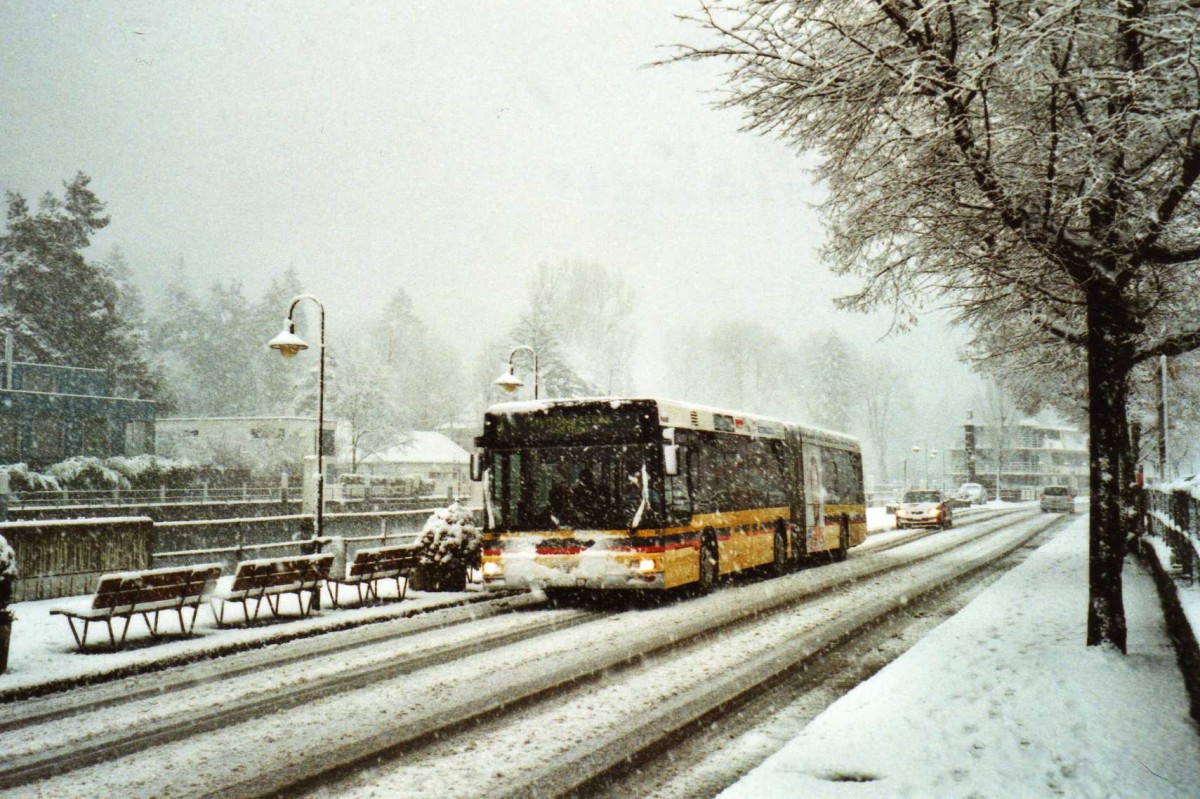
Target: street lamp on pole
[(289, 345), (916, 452), (509, 381), (932, 457)]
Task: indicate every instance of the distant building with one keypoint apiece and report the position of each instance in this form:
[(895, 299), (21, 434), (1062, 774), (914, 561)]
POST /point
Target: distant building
[(266, 446), (429, 456), (1032, 454), (51, 413)]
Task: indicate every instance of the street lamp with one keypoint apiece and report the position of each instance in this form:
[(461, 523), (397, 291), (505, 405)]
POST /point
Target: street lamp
[(509, 381), (290, 345)]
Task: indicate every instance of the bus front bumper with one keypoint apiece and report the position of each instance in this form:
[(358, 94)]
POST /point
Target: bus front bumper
[(588, 573)]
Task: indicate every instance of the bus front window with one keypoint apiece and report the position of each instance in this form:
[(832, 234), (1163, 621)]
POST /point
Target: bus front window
[(554, 488)]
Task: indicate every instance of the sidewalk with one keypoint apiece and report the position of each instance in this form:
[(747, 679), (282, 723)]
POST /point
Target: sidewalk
[(1005, 700), (43, 653)]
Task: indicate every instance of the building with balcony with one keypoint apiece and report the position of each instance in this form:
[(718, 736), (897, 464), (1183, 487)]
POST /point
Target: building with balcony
[(1029, 455), (50, 413)]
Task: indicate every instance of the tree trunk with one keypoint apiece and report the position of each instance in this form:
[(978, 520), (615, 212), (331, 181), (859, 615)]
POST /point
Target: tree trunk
[(1109, 365)]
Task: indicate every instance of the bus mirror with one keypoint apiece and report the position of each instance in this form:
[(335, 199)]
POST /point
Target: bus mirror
[(671, 459), (476, 467)]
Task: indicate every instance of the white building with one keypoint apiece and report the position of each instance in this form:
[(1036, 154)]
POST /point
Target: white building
[(430, 457), (265, 445)]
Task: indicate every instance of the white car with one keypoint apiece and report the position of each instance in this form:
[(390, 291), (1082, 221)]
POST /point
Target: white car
[(971, 494)]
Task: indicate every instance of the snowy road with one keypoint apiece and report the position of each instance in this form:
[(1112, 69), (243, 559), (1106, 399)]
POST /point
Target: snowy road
[(487, 679)]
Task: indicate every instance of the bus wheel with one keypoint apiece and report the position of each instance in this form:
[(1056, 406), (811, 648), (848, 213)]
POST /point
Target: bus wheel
[(709, 566), (780, 565)]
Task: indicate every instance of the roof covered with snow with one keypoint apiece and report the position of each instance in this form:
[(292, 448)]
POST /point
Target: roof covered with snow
[(423, 446)]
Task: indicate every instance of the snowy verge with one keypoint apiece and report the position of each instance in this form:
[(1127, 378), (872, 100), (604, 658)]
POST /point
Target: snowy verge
[(1005, 694), (43, 656), (1181, 610)]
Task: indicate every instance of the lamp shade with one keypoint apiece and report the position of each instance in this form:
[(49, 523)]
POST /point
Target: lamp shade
[(288, 343), (509, 382)]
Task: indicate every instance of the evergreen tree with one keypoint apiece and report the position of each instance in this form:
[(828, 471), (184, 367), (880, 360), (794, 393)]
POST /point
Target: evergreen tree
[(282, 386), (61, 308), (422, 372)]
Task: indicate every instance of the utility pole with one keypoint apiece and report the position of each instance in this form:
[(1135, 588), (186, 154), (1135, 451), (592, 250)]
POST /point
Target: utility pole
[(1162, 418)]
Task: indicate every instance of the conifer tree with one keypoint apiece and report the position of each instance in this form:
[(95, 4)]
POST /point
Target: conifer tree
[(61, 308)]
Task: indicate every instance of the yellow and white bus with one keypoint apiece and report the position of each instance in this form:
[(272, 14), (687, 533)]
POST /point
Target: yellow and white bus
[(656, 494)]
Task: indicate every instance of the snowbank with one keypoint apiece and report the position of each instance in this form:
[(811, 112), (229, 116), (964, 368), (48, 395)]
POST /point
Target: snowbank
[(1004, 699)]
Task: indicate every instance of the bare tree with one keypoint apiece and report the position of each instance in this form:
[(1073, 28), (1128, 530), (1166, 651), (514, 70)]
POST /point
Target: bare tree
[(882, 389), (1031, 164)]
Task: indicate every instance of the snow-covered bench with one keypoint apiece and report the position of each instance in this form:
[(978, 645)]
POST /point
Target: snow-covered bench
[(122, 595), (370, 566), (269, 579)]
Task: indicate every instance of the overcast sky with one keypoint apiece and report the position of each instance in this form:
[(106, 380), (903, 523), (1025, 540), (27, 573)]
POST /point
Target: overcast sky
[(442, 147)]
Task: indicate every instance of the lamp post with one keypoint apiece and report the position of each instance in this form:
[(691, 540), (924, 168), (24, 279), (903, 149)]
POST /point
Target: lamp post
[(290, 345), (932, 457), (916, 452), (509, 381)]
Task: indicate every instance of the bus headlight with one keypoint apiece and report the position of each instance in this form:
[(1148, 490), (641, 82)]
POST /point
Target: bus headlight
[(492, 569), (645, 566)]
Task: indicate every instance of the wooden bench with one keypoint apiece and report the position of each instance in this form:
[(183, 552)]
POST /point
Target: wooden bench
[(371, 566), (270, 579), (123, 595)]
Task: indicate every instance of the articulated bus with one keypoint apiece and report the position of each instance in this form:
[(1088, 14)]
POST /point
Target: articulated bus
[(654, 494)]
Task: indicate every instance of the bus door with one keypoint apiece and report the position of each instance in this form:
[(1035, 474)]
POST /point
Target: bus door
[(794, 460), (814, 495)]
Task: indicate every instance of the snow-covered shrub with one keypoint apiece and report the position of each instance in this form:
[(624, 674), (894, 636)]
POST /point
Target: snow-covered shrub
[(8, 560), (154, 471), (85, 473), (20, 478), (8, 573), (450, 545)]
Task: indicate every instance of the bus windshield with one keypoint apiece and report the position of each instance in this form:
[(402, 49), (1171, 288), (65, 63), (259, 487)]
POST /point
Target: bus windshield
[(558, 488)]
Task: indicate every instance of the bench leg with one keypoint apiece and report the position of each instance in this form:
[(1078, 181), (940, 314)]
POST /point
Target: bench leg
[(402, 591), (153, 628), (195, 613), (74, 634), (125, 630)]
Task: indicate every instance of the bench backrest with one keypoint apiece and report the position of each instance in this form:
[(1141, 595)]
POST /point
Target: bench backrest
[(298, 570), (116, 591), (185, 584), (384, 561)]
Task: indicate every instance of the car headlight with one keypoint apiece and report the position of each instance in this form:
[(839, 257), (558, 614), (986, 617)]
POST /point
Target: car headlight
[(492, 569), (645, 566)]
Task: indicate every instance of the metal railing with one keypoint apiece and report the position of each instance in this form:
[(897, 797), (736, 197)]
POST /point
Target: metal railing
[(236, 551), (201, 494), (1174, 516)]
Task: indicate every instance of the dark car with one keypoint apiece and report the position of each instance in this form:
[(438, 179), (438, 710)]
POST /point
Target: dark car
[(1057, 498), (924, 507)]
